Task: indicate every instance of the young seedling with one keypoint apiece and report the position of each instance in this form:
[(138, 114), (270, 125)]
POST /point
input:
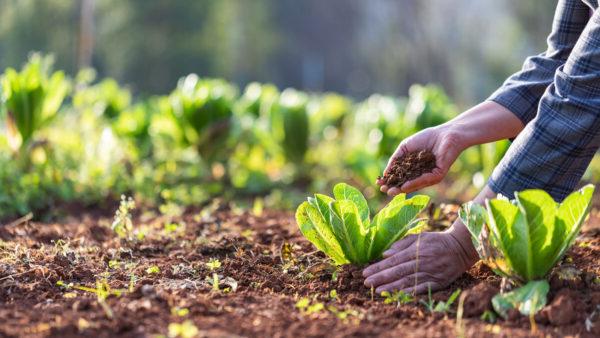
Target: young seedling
[(102, 292), (398, 297), (441, 306), (488, 316), (122, 224), (187, 329), (172, 228), (153, 270), (444, 307), (213, 264), (342, 227), (523, 239), (179, 311), (132, 281), (333, 295), (306, 307), (214, 282)]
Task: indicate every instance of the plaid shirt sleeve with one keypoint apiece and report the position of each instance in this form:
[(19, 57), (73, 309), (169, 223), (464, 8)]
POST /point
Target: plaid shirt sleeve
[(554, 149), (522, 91)]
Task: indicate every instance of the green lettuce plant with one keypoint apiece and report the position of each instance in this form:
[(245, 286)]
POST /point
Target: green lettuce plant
[(523, 239), (290, 124), (202, 111), (31, 98), (341, 227)]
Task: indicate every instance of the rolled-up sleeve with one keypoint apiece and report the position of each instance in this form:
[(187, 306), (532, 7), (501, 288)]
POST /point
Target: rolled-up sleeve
[(555, 148), (521, 92)]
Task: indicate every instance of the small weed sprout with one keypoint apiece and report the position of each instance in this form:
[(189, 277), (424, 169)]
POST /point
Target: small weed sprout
[(172, 228), (333, 295), (102, 292), (213, 264), (489, 316), (153, 270), (214, 282), (122, 224), (187, 329), (305, 306), (398, 297), (180, 311), (440, 306), (430, 303), (132, 282)]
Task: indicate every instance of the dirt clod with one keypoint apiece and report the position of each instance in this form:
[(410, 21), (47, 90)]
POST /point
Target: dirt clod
[(479, 299), (562, 309), (408, 167)]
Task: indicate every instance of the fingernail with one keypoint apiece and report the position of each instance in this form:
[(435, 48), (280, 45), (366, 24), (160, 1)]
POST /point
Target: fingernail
[(368, 282), (387, 252)]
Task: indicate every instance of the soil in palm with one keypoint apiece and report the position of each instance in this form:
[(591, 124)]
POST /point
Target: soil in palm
[(408, 167)]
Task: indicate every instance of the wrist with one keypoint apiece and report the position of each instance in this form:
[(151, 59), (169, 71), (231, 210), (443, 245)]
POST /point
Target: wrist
[(454, 132), (462, 236)]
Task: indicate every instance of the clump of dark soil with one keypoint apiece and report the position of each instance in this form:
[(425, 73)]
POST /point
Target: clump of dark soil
[(408, 167)]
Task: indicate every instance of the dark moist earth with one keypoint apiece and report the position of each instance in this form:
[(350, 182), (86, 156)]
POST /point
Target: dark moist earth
[(273, 267), (408, 167)]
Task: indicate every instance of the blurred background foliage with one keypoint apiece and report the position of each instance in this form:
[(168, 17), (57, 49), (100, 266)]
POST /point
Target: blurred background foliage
[(180, 102), (352, 47)]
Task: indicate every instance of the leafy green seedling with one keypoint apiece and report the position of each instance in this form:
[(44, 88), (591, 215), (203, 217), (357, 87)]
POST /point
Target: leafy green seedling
[(306, 307), (333, 295), (441, 306), (216, 281), (187, 329), (102, 292), (398, 297), (523, 239), (488, 316), (153, 270), (32, 98), (132, 282), (122, 224), (342, 227), (179, 311), (213, 264), (444, 307), (172, 228)]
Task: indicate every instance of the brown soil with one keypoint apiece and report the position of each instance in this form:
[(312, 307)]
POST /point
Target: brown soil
[(273, 267), (408, 167)]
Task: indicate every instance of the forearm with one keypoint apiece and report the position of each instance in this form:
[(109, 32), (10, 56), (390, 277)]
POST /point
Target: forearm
[(484, 123)]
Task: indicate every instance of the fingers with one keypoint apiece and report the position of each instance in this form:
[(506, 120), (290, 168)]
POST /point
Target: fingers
[(423, 181), (403, 283), (392, 274), (399, 258), (393, 191), (384, 188)]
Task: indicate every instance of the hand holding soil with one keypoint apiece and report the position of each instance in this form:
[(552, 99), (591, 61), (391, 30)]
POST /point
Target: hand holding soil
[(421, 160)]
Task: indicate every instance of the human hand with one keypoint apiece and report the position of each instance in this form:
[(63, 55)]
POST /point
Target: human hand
[(444, 141), (419, 262)]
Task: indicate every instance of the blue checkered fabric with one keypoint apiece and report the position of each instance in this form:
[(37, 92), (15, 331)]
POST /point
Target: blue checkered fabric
[(557, 96)]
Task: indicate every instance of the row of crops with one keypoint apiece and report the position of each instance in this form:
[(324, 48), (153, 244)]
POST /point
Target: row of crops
[(67, 139)]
